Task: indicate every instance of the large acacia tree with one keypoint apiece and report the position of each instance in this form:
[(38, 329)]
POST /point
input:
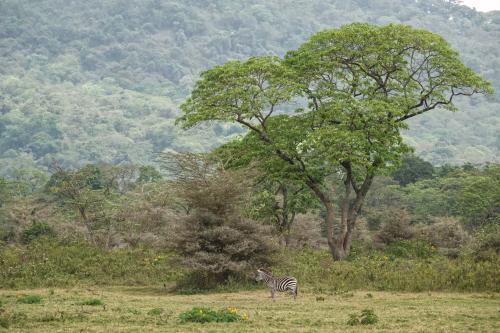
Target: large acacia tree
[(353, 88)]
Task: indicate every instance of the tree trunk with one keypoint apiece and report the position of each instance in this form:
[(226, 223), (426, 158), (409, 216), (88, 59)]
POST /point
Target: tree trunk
[(87, 223), (335, 244), (340, 244)]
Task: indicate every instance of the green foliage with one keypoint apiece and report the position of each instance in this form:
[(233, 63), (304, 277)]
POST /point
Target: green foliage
[(207, 315), (410, 249), (412, 169), (30, 299), (367, 317), (148, 174), (155, 312), (91, 302), (51, 264), (471, 195), (37, 229)]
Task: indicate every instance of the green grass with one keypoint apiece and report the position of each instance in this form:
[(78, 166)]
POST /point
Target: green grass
[(129, 309), (30, 299), (91, 302)]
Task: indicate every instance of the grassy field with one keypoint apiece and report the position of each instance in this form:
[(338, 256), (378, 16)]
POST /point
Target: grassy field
[(143, 309)]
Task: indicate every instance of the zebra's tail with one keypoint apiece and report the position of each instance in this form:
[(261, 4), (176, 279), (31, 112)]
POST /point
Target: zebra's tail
[(296, 291)]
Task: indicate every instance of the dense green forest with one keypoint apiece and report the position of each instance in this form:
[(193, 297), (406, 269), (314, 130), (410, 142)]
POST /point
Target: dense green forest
[(101, 81)]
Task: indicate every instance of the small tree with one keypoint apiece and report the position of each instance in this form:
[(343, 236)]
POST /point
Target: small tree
[(89, 191), (213, 240), (361, 82)]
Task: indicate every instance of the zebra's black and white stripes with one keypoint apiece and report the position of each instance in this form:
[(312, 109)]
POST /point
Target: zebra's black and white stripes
[(286, 283)]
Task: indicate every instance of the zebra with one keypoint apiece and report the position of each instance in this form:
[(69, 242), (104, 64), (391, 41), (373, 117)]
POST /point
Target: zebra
[(278, 284)]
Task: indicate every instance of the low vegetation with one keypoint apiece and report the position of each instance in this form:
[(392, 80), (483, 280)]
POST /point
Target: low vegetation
[(400, 267), (207, 315), (91, 302), (367, 317), (30, 299)]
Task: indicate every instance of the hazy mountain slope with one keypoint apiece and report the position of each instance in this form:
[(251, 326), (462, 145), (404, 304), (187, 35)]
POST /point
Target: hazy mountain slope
[(99, 80)]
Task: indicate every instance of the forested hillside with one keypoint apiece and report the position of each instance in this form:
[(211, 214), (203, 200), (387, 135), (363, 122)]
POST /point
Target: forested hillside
[(100, 80)]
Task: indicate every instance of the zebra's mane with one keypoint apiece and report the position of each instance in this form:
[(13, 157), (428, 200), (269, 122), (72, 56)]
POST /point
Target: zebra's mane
[(266, 271)]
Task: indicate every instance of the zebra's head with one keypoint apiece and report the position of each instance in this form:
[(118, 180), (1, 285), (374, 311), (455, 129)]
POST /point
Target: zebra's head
[(261, 273)]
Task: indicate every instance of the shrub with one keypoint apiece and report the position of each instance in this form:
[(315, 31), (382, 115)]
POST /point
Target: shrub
[(396, 227), (213, 241), (30, 299), (206, 315), (36, 230), (410, 249), (446, 232), (486, 243), (216, 248), (367, 317)]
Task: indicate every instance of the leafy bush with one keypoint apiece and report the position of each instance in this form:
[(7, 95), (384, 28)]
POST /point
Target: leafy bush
[(396, 227), (410, 249), (367, 317), (206, 315), (445, 232), (30, 299), (36, 230)]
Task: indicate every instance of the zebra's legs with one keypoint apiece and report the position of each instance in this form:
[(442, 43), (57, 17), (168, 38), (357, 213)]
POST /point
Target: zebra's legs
[(272, 294)]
